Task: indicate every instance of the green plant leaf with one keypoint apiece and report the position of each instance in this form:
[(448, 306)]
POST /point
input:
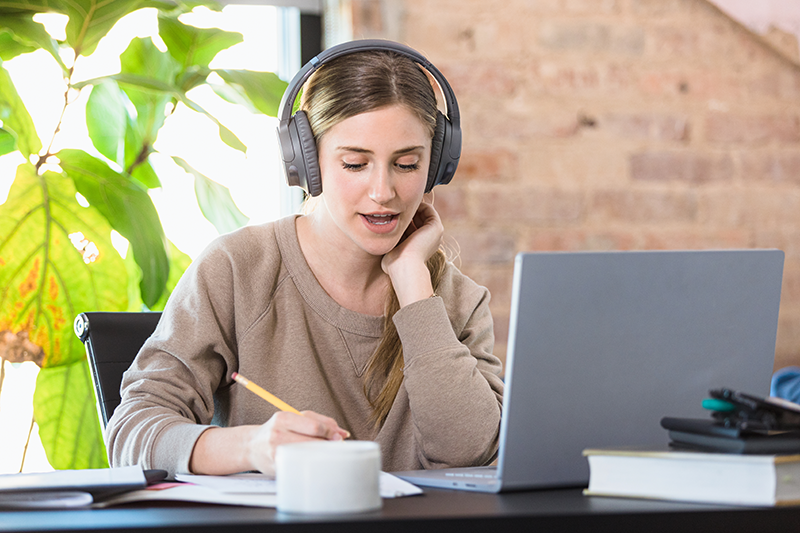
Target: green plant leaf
[(192, 46), (11, 48), (148, 77), (91, 20), (129, 209), (16, 118), (227, 136), (31, 34), (8, 142), (146, 176), (65, 409), (215, 201), (178, 263), (263, 89), (106, 120), (44, 280)]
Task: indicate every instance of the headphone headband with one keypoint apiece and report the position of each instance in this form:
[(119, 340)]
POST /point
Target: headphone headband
[(299, 79)]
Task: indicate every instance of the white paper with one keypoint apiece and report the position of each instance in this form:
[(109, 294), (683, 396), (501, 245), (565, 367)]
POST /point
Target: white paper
[(390, 486)]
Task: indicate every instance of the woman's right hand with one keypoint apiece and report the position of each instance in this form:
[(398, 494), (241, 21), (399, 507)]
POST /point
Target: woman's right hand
[(285, 428)]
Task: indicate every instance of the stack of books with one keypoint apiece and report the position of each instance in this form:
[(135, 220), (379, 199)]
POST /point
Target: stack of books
[(748, 453), (726, 478)]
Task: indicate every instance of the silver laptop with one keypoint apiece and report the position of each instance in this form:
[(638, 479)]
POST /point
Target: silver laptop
[(602, 345)]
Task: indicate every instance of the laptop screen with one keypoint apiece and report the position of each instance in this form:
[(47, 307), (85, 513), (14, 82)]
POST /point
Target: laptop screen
[(602, 345)]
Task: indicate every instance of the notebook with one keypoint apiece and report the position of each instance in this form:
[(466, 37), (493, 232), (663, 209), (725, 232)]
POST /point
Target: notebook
[(602, 345)]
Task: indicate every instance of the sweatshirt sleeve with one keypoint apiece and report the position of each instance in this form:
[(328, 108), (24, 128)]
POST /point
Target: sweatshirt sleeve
[(452, 379)]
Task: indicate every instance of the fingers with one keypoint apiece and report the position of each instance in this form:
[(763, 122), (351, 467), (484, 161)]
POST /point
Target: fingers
[(325, 426), (287, 428)]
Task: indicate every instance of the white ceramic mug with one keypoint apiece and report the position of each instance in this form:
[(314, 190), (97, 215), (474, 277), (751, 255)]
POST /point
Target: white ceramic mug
[(328, 477)]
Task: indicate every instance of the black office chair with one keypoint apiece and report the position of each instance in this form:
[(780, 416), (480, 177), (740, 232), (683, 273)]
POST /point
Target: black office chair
[(112, 341)]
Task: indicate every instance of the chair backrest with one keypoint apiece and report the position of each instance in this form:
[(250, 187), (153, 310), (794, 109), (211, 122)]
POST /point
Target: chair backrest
[(112, 341)]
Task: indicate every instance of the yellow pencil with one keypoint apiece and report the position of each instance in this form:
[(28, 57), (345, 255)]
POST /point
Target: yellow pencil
[(271, 398)]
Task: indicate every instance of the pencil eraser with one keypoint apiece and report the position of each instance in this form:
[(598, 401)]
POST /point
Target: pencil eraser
[(233, 376)]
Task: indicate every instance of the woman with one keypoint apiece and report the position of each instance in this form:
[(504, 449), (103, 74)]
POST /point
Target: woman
[(349, 313)]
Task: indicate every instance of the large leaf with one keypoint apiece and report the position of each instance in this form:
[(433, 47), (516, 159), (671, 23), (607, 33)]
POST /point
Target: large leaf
[(178, 263), (129, 209), (16, 118), (8, 142), (215, 201), (11, 48), (91, 20), (30, 34), (148, 75), (106, 120), (192, 46), (65, 409), (263, 89), (138, 86), (227, 136), (44, 280), (17, 7)]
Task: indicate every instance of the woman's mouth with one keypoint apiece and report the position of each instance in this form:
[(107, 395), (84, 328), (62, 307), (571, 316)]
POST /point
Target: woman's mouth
[(380, 223), (379, 220)]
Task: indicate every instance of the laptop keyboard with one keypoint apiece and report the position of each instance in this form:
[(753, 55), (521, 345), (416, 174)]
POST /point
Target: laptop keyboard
[(492, 475)]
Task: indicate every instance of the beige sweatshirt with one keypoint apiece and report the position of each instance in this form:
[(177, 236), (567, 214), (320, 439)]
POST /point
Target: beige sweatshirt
[(251, 304)]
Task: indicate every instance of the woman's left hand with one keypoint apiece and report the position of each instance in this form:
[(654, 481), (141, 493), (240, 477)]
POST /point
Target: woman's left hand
[(405, 265)]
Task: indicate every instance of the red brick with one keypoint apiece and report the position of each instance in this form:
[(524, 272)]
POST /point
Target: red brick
[(773, 167), (574, 239), (500, 327), (498, 280), (481, 78), (786, 239), (526, 205), (491, 164), (451, 202), (696, 239), (690, 167), (758, 209), (775, 84), (657, 7), (646, 126), (367, 16), (671, 42), (790, 290), (729, 128), (591, 37), (788, 340), (592, 7), (643, 206), (484, 246), (489, 124)]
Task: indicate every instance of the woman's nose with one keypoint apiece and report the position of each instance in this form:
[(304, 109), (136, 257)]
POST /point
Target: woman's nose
[(381, 186)]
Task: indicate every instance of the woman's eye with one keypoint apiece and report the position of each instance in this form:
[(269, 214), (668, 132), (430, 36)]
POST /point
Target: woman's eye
[(353, 166), (408, 167)]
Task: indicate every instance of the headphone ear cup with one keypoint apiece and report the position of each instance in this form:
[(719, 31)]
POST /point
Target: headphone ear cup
[(308, 149), (436, 152)]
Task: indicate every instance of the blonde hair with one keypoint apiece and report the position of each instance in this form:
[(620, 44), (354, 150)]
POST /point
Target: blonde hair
[(340, 89)]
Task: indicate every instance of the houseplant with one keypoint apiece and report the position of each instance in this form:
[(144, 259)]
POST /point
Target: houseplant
[(56, 255)]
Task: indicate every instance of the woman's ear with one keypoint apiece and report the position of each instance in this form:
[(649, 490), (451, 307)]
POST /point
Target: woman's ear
[(428, 197)]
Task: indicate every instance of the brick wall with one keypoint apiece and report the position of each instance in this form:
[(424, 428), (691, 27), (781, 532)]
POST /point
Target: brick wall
[(610, 124)]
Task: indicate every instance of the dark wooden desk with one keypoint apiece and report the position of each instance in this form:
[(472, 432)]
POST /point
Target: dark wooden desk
[(439, 511)]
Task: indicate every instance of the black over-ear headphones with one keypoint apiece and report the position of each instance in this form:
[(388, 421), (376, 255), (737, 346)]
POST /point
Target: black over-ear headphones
[(299, 151)]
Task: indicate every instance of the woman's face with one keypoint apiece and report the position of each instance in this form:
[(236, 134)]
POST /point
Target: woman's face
[(374, 168)]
